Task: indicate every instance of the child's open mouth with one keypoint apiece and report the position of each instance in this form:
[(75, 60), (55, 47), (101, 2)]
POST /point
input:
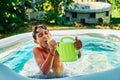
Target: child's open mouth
[(47, 42)]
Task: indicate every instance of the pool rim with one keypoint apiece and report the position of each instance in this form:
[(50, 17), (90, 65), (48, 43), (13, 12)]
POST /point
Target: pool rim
[(105, 75), (27, 36)]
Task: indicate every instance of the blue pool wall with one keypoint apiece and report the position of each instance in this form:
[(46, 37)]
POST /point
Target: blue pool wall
[(8, 74), (113, 74)]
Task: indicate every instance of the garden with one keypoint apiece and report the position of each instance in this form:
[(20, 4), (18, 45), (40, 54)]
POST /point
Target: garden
[(15, 20)]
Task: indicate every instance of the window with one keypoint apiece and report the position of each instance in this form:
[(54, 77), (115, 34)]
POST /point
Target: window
[(92, 15), (68, 18), (82, 20), (107, 13), (100, 20), (74, 15)]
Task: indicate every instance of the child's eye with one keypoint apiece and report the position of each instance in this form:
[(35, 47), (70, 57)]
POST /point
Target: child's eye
[(46, 32), (40, 35)]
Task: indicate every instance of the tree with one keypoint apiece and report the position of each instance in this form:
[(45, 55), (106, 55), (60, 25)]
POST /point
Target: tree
[(12, 13), (115, 7), (56, 4), (55, 10)]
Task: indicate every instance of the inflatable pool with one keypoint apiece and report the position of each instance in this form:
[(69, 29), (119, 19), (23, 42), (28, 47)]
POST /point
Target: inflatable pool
[(8, 74)]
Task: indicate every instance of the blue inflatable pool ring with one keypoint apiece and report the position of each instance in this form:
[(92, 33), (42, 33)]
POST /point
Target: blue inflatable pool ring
[(113, 74)]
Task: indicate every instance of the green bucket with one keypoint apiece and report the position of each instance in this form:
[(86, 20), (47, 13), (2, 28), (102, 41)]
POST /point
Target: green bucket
[(66, 50)]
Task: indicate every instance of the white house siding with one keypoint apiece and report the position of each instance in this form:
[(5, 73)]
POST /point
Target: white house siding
[(34, 15), (86, 16), (81, 15), (99, 8), (91, 20), (106, 19), (84, 0), (68, 14), (38, 1), (90, 0), (37, 15), (100, 15)]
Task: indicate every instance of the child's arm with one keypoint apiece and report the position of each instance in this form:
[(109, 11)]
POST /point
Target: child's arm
[(44, 64), (79, 54), (47, 65), (78, 45)]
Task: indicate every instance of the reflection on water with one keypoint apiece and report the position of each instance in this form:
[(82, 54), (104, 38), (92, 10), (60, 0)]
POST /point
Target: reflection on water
[(98, 54)]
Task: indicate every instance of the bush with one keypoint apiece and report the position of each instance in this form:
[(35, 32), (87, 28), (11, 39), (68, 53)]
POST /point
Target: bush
[(12, 12)]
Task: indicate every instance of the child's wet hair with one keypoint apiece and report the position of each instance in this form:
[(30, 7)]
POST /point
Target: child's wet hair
[(35, 28)]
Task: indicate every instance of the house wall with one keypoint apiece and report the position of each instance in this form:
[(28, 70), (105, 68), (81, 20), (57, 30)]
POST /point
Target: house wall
[(105, 18), (90, 0), (88, 19), (36, 15)]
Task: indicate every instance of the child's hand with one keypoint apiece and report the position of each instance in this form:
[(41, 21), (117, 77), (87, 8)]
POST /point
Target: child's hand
[(78, 43), (53, 43)]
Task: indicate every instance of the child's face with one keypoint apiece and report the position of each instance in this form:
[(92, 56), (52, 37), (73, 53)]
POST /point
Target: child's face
[(42, 36)]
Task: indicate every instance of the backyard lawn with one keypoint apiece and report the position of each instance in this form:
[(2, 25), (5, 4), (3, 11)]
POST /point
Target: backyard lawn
[(115, 24)]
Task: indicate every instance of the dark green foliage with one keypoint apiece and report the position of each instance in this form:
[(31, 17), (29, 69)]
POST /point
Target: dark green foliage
[(12, 13), (51, 15), (54, 13)]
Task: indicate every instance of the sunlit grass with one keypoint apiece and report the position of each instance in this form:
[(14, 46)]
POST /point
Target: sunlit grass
[(115, 24), (116, 13)]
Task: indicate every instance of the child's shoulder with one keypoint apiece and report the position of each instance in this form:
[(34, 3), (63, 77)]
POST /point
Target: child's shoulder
[(37, 48)]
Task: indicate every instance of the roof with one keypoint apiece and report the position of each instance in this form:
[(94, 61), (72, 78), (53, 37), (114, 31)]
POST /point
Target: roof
[(86, 7)]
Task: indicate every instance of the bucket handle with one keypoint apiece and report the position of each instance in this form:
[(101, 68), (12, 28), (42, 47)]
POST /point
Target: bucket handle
[(66, 37), (71, 38)]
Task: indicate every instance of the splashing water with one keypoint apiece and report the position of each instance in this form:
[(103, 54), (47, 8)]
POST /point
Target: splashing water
[(98, 54)]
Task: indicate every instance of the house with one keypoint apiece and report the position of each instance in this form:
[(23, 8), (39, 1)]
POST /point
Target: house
[(35, 15), (90, 0), (88, 12)]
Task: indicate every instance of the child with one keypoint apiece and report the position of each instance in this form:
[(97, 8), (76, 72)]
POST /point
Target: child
[(45, 54)]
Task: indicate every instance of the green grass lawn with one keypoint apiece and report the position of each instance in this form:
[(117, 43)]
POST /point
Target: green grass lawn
[(115, 24)]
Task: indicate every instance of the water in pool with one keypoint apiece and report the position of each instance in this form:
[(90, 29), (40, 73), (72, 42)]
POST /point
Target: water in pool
[(98, 54)]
